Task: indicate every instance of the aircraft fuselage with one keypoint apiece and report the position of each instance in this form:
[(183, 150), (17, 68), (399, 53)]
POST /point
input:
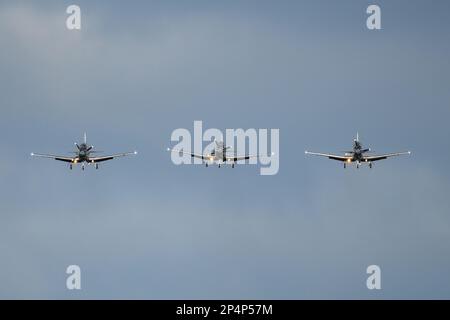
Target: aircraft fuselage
[(83, 153)]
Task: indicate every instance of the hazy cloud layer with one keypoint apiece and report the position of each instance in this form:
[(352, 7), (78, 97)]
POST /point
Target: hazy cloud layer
[(144, 228)]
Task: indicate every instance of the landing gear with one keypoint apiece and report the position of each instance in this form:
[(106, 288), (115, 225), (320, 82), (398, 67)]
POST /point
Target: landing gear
[(82, 167), (357, 165), (370, 165), (219, 165), (70, 166), (96, 166), (207, 164), (345, 165), (232, 166)]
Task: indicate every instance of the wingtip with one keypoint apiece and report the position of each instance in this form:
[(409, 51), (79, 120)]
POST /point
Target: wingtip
[(135, 152), (32, 154), (168, 149)]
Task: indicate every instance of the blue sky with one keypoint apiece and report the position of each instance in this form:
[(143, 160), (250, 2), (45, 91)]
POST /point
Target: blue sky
[(144, 228)]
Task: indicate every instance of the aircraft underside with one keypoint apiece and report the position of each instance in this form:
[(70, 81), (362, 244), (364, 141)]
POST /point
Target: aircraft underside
[(358, 163)]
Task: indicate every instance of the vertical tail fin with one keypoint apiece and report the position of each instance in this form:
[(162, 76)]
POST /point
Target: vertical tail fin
[(357, 137), (85, 138)]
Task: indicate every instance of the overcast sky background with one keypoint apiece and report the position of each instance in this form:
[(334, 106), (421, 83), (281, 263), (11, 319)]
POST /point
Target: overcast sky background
[(142, 227)]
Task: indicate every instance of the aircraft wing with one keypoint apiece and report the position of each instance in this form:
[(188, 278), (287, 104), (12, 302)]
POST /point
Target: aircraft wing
[(239, 158), (111, 157), (330, 156), (385, 156), (246, 157), (193, 155), (59, 158)]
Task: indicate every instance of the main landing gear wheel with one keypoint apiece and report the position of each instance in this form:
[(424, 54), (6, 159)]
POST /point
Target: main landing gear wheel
[(82, 167), (370, 165), (232, 166), (96, 166), (207, 164), (345, 165), (70, 167)]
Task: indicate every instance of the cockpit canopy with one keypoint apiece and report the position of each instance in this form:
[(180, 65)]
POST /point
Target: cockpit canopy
[(357, 145)]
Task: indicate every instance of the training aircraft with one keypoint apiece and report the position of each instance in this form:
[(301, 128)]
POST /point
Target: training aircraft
[(83, 155), (358, 155), (217, 156)]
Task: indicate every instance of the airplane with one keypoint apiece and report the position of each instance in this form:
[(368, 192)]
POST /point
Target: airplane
[(217, 156), (358, 155), (83, 155)]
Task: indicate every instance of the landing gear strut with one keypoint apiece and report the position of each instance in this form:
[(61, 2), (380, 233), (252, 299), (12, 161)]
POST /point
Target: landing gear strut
[(82, 167), (207, 164), (232, 166), (345, 165), (370, 165), (96, 166), (70, 166)]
